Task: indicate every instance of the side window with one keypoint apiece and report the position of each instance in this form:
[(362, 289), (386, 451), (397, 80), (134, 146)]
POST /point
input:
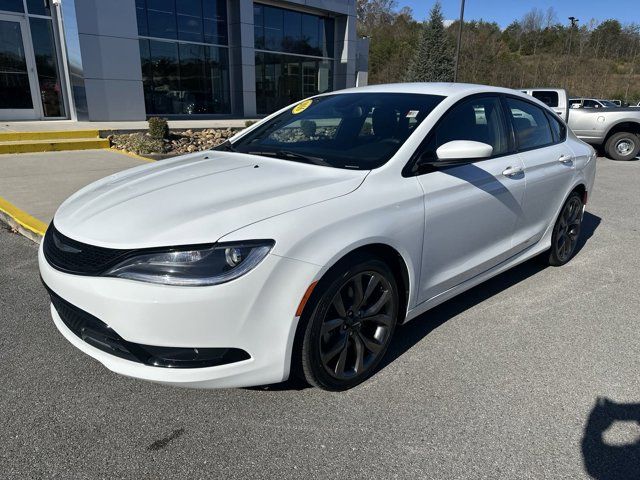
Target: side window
[(549, 98), (479, 119), (590, 104), (530, 124), (558, 128)]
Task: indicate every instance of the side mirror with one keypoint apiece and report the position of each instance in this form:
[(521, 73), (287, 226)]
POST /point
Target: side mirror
[(463, 150)]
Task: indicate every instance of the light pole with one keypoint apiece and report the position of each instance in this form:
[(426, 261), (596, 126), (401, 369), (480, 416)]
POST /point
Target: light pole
[(574, 23), (457, 60)]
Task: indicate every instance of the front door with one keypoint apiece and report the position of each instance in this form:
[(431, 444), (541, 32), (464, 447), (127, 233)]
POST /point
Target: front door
[(18, 83), (471, 210)]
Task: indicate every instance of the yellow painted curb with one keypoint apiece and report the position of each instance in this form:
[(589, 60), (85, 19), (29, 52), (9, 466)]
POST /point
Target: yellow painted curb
[(48, 135), (34, 146), (22, 218), (131, 154)]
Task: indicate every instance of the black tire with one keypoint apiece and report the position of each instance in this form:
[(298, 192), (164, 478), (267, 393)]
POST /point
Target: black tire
[(342, 344), (566, 231), (623, 146)]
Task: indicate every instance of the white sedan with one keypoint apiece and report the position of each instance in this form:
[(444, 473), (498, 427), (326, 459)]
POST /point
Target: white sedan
[(298, 247)]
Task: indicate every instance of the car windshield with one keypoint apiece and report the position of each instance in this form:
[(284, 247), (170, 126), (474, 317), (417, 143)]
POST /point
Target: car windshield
[(351, 130), (607, 103)]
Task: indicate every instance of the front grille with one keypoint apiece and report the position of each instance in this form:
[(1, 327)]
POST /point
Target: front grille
[(98, 334), (71, 256)]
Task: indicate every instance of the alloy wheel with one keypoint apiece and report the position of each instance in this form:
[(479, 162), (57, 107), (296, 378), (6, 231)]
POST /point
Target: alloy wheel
[(357, 326), (568, 229)]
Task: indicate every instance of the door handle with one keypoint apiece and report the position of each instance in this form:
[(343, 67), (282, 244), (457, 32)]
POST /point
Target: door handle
[(512, 171), (566, 159)]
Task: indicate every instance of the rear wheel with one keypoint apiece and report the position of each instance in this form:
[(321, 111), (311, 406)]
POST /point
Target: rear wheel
[(350, 325), (566, 231), (623, 146)]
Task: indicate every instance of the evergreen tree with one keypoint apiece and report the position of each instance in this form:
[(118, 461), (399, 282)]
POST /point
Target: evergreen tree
[(433, 58)]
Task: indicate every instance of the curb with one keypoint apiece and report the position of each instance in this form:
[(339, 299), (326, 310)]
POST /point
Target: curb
[(21, 221), (131, 154)]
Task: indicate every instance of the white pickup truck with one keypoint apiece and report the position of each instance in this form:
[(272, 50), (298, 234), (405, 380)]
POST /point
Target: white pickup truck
[(616, 129)]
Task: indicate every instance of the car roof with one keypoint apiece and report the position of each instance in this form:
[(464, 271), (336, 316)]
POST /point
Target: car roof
[(429, 88)]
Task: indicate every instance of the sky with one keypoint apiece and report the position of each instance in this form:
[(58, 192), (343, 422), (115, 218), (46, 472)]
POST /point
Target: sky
[(505, 11)]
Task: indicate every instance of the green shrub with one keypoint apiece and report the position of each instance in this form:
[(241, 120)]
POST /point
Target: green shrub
[(248, 123), (158, 128)]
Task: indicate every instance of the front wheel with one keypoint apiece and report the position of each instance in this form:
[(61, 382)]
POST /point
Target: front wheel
[(350, 324), (623, 146), (566, 231)]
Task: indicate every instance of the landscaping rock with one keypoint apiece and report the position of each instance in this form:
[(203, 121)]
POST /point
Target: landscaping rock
[(177, 143)]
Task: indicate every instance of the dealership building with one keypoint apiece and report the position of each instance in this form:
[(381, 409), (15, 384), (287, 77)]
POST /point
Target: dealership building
[(109, 60)]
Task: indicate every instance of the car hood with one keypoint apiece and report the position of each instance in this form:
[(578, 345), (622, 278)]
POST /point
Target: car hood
[(195, 199)]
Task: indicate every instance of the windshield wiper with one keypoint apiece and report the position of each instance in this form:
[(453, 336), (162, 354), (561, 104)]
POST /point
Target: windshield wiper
[(226, 146), (289, 155), (304, 158)]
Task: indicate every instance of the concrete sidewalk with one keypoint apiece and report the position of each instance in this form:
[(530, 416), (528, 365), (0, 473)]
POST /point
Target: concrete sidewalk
[(37, 183)]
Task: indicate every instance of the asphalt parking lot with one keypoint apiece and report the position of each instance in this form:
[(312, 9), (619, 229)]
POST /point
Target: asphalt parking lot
[(534, 374)]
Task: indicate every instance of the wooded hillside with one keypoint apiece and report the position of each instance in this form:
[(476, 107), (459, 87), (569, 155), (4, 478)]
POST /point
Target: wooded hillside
[(592, 59)]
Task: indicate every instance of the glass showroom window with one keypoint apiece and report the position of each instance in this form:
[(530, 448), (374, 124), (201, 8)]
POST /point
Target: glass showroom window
[(294, 56), (185, 64), (15, 79)]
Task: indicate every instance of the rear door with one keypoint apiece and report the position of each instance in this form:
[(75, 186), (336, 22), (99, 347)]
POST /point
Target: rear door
[(548, 167), (471, 209)]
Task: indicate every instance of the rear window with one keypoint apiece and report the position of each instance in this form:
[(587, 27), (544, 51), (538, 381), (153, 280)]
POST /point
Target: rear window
[(550, 99)]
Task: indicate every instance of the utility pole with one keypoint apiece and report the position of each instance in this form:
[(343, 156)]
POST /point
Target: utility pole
[(574, 23), (457, 60)]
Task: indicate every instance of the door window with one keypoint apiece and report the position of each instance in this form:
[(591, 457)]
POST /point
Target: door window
[(530, 124), (591, 104), (479, 119)]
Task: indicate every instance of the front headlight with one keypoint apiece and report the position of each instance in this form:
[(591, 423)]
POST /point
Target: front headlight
[(209, 265)]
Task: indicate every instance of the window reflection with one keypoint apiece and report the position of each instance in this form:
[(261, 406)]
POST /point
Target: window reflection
[(189, 20), (47, 66), (181, 77), (284, 79), (38, 7), (14, 77), (12, 5), (281, 30), (184, 79)]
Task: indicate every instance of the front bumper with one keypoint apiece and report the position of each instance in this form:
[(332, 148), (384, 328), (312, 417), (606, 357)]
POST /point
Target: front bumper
[(255, 314)]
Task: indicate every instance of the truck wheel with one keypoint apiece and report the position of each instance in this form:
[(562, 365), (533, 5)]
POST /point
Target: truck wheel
[(623, 146)]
